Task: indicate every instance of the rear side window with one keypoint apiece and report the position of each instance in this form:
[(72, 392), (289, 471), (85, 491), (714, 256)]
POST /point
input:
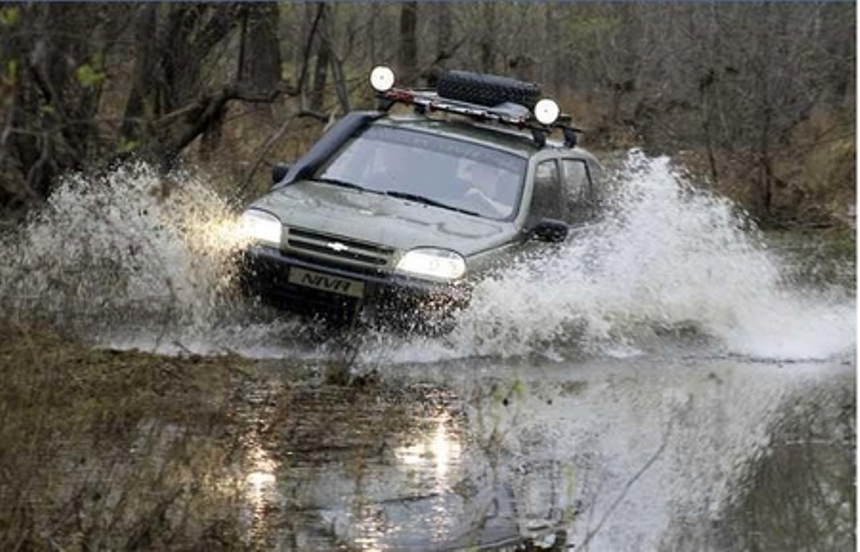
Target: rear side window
[(548, 198), (575, 175), (580, 191)]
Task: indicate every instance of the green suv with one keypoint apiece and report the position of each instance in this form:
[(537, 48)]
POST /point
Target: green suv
[(398, 216)]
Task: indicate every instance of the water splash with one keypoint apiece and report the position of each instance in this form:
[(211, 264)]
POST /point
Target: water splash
[(658, 453), (134, 259), (668, 259), (124, 248)]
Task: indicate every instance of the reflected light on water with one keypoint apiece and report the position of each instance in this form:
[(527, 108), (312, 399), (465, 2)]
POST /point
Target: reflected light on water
[(369, 545), (437, 450), (259, 482), (432, 455), (259, 487), (261, 477)]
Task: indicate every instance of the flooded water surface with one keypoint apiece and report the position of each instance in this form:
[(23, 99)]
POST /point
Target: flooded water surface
[(671, 379)]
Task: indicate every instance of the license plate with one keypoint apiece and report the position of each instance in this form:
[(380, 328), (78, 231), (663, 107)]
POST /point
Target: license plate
[(325, 282)]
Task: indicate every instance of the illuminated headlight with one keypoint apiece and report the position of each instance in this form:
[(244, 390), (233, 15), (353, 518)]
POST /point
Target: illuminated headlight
[(433, 264), (261, 227), (546, 111), (382, 78)]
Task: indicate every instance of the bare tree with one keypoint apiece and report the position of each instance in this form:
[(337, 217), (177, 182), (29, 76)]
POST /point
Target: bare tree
[(408, 53), (737, 84)]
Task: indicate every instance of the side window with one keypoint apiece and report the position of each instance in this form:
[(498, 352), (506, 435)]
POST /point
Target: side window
[(578, 183), (548, 199)]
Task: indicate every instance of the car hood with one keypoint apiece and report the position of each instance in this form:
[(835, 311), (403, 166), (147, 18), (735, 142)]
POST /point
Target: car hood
[(382, 219)]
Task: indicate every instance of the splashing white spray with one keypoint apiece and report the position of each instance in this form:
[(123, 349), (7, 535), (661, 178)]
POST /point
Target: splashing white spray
[(669, 259), (122, 248), (136, 259)]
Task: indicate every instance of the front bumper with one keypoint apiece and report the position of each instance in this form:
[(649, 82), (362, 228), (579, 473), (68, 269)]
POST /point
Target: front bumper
[(385, 297)]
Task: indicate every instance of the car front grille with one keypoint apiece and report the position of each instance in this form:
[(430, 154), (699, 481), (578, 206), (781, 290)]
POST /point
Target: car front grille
[(338, 248)]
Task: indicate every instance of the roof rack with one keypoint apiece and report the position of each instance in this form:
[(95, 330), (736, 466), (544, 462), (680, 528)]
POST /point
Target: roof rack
[(541, 121)]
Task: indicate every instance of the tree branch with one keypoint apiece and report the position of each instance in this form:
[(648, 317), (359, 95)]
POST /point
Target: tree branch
[(202, 113), (273, 139)]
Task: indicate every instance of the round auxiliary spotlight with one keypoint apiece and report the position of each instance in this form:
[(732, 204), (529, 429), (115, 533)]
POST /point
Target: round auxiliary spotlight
[(382, 78), (546, 111)]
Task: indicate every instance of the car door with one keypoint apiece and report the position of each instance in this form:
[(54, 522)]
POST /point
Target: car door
[(549, 199)]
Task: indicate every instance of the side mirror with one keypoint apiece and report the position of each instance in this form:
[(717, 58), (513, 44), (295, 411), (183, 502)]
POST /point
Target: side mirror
[(279, 171), (549, 230)]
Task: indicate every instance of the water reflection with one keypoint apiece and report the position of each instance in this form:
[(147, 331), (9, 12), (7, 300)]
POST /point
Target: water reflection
[(259, 489), (260, 480), (403, 499), (369, 472), (436, 451)]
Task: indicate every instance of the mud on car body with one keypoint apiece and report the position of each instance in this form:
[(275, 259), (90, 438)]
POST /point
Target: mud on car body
[(398, 216)]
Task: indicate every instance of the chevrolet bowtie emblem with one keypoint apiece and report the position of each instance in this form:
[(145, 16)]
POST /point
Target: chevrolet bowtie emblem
[(337, 246)]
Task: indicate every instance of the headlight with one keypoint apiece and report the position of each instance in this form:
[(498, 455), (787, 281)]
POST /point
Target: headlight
[(434, 264), (261, 227)]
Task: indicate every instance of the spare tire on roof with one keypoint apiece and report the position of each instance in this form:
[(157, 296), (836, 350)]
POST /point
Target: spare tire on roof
[(486, 90)]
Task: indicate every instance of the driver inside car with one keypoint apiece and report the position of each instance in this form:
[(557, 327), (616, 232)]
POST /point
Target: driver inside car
[(486, 194)]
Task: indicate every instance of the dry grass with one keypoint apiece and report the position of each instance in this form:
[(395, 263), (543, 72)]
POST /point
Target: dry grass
[(110, 450), (125, 450)]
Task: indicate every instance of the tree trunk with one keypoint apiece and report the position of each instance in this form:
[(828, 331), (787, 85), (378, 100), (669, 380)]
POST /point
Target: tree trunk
[(488, 38), (444, 30), (340, 84), (317, 96), (708, 88), (554, 64), (408, 53), (313, 24), (765, 192), (260, 64), (192, 31), (136, 112), (259, 71), (56, 99)]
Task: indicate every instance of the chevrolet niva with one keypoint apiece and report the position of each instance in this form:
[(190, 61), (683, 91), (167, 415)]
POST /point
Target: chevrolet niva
[(397, 216)]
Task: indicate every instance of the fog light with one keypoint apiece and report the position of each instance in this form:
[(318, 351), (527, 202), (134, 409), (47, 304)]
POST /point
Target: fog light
[(546, 111), (382, 78)]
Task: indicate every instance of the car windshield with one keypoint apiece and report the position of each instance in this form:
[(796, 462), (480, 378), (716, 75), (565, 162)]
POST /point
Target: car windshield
[(436, 170)]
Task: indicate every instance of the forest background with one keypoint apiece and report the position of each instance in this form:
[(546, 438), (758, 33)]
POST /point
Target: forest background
[(757, 99)]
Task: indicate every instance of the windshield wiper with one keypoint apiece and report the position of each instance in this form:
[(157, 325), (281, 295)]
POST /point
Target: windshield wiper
[(342, 183), (428, 201)]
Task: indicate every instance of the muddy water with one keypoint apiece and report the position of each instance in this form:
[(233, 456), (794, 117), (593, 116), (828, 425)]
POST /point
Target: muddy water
[(667, 381), (674, 453)]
